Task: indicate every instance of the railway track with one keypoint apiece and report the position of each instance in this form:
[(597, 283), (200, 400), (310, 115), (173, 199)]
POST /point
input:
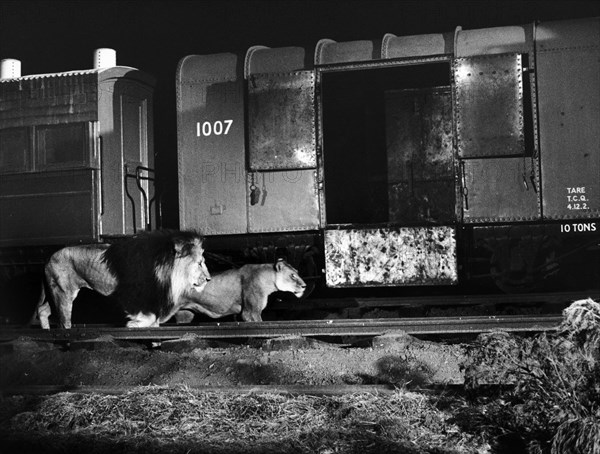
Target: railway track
[(273, 329)]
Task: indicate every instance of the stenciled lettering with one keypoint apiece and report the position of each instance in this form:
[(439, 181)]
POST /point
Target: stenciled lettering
[(213, 128), (578, 227)]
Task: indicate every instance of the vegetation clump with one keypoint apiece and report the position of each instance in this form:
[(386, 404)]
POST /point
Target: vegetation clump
[(554, 404)]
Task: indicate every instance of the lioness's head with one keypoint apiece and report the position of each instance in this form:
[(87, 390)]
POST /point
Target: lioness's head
[(287, 279)]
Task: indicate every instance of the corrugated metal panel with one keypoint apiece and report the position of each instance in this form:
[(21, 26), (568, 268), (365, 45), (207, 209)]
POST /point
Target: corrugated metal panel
[(499, 190), (417, 45), (420, 155), (281, 121), (211, 150), (49, 99), (328, 51), (283, 201), (489, 106), (390, 257), (568, 75)]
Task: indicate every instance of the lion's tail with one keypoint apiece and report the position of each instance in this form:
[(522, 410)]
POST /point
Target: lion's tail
[(42, 309)]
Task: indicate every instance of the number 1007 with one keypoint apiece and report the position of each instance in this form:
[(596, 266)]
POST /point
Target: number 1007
[(217, 128)]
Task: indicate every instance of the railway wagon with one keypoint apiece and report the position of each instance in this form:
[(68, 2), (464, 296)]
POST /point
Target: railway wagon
[(450, 163), (76, 162), (456, 161)]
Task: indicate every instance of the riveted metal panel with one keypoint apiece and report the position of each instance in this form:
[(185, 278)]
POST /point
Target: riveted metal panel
[(283, 201), (390, 257), (211, 151), (420, 155), (489, 106), (568, 74), (281, 121), (499, 190)]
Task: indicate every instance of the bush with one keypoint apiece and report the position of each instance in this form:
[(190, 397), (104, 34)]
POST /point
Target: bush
[(554, 406)]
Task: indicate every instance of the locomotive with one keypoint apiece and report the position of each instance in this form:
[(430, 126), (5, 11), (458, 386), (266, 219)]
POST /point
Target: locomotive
[(450, 163)]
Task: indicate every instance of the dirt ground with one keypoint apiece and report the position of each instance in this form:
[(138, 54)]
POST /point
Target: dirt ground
[(392, 359)]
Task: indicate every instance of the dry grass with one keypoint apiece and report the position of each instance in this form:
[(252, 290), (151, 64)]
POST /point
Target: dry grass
[(157, 419)]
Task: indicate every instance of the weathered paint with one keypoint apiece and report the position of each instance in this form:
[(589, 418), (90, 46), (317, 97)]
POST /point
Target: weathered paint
[(489, 106), (391, 257), (281, 121)]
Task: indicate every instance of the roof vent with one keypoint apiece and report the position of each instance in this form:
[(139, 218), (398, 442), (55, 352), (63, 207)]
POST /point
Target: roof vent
[(10, 69), (105, 58)]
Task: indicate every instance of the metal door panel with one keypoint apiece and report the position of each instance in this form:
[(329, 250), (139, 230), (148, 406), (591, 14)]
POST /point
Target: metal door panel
[(489, 106), (420, 155), (281, 121), (391, 257), (499, 190), (285, 201), (211, 152)]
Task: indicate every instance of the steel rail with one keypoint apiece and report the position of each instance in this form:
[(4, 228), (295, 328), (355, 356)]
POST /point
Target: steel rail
[(273, 329)]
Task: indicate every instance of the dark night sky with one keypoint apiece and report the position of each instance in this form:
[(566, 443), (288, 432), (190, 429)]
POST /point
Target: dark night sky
[(53, 36)]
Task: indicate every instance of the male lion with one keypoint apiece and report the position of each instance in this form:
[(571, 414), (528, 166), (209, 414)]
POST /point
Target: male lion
[(148, 274), (244, 290)]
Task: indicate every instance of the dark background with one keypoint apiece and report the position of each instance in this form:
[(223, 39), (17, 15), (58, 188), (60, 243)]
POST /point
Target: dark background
[(55, 36)]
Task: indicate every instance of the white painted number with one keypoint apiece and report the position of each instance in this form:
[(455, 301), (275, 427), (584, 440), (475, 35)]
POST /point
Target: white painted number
[(217, 128)]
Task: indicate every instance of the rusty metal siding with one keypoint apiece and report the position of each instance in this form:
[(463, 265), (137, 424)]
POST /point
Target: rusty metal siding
[(489, 106), (390, 257), (211, 150), (420, 155), (568, 75), (281, 121), (498, 190)]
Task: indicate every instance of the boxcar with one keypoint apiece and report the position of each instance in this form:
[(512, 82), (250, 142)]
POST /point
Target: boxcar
[(446, 160)]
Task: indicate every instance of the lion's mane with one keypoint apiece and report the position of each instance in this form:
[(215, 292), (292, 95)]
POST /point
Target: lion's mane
[(144, 265)]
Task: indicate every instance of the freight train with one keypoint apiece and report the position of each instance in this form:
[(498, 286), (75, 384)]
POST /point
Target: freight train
[(458, 162)]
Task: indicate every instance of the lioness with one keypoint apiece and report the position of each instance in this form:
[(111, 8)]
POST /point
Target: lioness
[(244, 290)]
